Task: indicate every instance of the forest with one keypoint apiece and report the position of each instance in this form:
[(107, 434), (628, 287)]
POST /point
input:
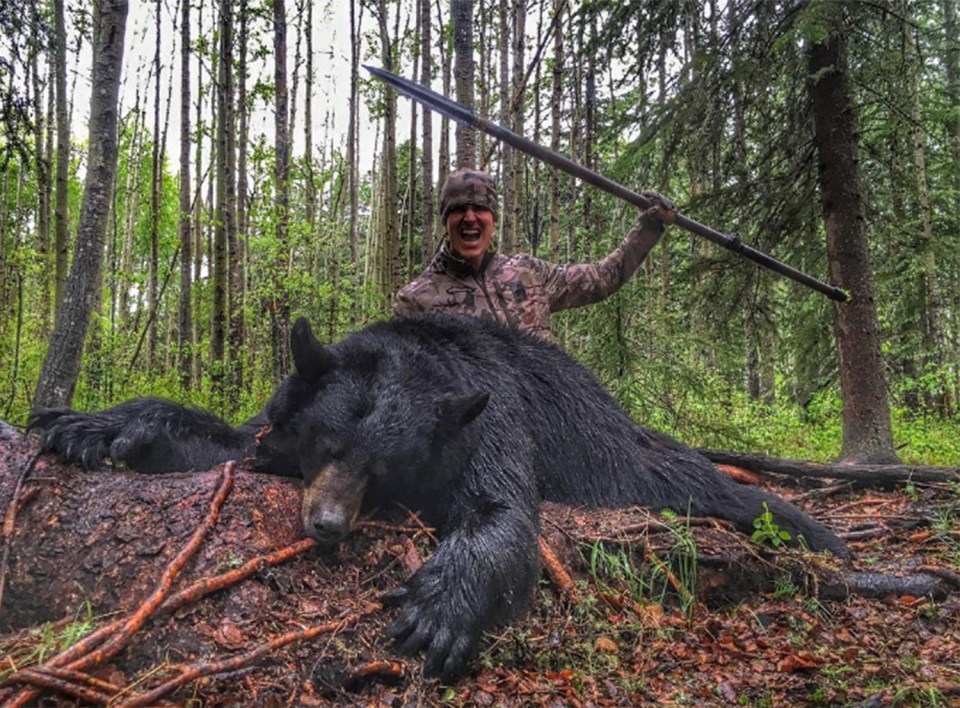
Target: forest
[(181, 179), (285, 200)]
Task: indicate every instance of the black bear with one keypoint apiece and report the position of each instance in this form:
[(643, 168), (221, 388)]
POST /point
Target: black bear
[(469, 422)]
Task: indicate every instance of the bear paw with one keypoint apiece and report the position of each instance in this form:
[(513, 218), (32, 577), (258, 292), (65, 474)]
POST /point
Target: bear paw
[(447, 635), (76, 438)]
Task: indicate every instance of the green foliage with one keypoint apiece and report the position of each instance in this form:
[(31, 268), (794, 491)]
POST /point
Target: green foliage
[(766, 531), (654, 579)]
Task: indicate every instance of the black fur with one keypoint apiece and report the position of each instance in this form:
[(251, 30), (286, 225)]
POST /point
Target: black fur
[(470, 423)]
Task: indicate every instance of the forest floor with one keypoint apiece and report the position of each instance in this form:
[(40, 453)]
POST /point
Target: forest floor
[(644, 623)]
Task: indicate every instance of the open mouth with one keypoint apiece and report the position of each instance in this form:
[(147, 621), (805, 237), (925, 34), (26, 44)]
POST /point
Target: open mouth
[(470, 235)]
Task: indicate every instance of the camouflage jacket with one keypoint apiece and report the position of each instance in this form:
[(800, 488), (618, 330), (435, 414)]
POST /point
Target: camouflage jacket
[(522, 290)]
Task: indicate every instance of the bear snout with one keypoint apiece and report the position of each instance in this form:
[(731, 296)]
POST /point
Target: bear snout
[(328, 526), (331, 503)]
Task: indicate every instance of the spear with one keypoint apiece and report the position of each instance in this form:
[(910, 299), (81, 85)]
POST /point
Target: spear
[(461, 114)]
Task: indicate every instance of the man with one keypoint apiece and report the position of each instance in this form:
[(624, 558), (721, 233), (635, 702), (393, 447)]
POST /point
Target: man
[(467, 276)]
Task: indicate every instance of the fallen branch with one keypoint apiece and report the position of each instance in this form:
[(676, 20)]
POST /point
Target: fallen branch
[(863, 473), (876, 585)]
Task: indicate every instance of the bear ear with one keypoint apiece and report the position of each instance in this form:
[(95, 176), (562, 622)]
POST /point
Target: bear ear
[(310, 358), (458, 411)]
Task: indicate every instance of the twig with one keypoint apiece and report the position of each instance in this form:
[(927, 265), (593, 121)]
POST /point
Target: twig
[(207, 586), (556, 572), (863, 534), (385, 669), (373, 524), (80, 678), (191, 673), (42, 679), (10, 522), (821, 492)]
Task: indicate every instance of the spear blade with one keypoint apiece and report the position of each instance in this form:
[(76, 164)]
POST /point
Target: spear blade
[(460, 113)]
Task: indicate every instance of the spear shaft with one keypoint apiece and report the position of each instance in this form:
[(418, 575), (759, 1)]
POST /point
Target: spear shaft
[(460, 113)]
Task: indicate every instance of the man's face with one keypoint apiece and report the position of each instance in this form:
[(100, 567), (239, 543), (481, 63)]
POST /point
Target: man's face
[(470, 229)]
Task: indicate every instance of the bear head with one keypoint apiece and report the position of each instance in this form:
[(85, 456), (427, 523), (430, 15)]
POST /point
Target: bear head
[(361, 429)]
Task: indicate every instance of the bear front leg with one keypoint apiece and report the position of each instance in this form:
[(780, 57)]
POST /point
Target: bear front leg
[(146, 434), (483, 573)]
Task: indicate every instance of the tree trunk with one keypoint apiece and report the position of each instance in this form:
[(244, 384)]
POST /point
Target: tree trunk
[(461, 12), (518, 106), (42, 168), (506, 152), (241, 287), (61, 237), (555, 112), (235, 269), (951, 62), (352, 136), (184, 348), (218, 339), (931, 298), (61, 365), (426, 154), (156, 186), (280, 307), (310, 187), (390, 241), (867, 434)]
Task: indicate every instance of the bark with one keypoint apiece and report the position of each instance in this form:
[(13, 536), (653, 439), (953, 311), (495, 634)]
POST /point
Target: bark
[(930, 291), (518, 105), (391, 277), (235, 269), (156, 187), (240, 280), (279, 306), (556, 105), (444, 45), (185, 320), (61, 194), (506, 152), (409, 208), (352, 136), (198, 226), (218, 338), (61, 365), (867, 433), (310, 185), (42, 170), (426, 154), (131, 205), (461, 13)]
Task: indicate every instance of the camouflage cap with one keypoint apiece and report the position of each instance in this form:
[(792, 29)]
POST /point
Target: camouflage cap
[(468, 187)]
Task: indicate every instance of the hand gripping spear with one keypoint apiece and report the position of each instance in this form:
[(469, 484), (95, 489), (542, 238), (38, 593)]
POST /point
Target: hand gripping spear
[(461, 114)]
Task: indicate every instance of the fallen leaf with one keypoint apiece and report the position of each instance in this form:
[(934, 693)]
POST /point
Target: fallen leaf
[(797, 662), (606, 645)]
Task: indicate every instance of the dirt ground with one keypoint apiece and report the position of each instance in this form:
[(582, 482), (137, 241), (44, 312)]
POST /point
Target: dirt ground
[(665, 611)]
